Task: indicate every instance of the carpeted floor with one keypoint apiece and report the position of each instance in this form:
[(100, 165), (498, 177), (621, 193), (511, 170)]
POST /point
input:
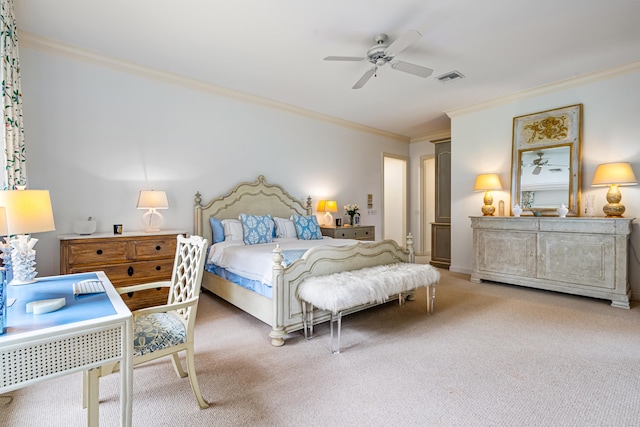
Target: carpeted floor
[(491, 355)]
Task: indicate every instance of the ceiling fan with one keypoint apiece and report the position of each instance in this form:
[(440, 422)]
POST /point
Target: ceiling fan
[(538, 163), (382, 53)]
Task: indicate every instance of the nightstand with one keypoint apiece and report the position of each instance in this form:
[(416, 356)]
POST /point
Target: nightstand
[(361, 232), (127, 259)]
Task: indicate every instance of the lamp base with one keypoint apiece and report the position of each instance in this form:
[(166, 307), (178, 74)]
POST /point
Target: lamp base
[(613, 210), (328, 218), (488, 210), (23, 260), (151, 221)]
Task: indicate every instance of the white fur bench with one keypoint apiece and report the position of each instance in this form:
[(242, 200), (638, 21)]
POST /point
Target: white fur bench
[(341, 291)]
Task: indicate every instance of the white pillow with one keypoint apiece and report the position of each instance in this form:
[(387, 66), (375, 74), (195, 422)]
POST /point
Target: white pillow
[(285, 228), (232, 229)]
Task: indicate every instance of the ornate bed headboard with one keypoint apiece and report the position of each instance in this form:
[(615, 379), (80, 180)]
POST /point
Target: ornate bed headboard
[(256, 198)]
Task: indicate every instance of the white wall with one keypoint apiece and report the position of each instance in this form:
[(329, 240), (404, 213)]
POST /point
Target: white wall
[(481, 142), (96, 136)]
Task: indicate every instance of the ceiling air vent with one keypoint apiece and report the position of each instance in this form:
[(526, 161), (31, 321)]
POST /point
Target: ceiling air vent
[(450, 76)]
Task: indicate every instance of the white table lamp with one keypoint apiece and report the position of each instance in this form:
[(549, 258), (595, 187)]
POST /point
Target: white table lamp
[(27, 212), (152, 200), (328, 206)]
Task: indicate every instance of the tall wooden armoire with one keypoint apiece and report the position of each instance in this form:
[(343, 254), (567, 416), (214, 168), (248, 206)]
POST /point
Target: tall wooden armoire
[(441, 228)]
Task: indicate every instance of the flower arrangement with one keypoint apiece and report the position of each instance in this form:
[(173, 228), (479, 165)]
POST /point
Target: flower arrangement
[(351, 210)]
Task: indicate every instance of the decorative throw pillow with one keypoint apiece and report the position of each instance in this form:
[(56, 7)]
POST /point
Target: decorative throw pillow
[(217, 230), (256, 229), (285, 228), (307, 227), (232, 229)]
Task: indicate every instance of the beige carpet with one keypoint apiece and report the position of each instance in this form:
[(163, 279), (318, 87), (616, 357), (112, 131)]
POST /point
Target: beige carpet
[(491, 355)]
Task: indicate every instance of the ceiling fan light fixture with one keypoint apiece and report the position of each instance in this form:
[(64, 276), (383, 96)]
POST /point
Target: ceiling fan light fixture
[(450, 76)]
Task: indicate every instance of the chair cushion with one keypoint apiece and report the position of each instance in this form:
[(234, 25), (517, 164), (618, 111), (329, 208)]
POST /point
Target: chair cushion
[(157, 331)]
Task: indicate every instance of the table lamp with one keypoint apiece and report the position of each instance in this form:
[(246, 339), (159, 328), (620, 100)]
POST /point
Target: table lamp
[(328, 206), (28, 212), (487, 182), (614, 175), (152, 200)]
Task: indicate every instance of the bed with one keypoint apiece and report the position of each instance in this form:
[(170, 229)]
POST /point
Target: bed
[(282, 310)]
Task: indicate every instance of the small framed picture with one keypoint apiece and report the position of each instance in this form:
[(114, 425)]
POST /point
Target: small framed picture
[(356, 220)]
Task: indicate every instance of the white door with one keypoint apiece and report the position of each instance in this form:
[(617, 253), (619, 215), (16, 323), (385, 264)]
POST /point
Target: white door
[(394, 198)]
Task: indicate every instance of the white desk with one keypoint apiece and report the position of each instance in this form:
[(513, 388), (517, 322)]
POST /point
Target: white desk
[(89, 331)]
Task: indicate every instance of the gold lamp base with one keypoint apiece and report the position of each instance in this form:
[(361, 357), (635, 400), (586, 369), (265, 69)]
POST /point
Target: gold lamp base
[(614, 208), (488, 209)]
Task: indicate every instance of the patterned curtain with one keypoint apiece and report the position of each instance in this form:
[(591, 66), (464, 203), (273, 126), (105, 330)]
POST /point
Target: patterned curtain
[(14, 160)]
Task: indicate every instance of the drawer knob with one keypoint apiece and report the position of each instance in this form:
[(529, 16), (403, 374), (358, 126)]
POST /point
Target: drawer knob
[(158, 247), (158, 268), (130, 271), (99, 251)]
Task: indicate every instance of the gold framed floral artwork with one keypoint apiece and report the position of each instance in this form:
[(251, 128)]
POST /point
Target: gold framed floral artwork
[(552, 127)]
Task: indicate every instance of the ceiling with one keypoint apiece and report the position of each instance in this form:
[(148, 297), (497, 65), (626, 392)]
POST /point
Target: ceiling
[(274, 49)]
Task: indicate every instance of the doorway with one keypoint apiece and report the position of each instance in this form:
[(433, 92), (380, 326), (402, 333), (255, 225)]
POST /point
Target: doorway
[(427, 202), (394, 198)]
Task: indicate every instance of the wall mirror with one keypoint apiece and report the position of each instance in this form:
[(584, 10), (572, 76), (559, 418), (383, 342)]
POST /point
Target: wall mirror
[(545, 163)]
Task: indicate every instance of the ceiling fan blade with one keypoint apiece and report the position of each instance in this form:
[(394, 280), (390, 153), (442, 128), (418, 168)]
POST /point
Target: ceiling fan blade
[(414, 69), (402, 42), (365, 78), (344, 58)]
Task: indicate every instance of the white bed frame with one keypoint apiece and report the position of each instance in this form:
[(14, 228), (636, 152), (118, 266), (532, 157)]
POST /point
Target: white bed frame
[(284, 311)]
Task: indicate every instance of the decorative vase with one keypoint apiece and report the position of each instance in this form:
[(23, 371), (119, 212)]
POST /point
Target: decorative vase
[(517, 210), (351, 220), (562, 211)]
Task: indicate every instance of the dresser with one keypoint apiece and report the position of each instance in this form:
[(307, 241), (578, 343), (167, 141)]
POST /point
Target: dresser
[(360, 232), (127, 259), (581, 256)]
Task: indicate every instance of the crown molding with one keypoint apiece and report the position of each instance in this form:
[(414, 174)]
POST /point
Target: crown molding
[(431, 137), (56, 48), (549, 88)]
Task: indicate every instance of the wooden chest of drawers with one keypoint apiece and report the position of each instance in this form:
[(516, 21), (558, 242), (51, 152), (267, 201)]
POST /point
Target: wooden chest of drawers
[(127, 259), (361, 232)]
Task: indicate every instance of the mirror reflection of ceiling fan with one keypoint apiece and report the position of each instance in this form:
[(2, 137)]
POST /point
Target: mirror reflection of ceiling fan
[(538, 163), (382, 53)]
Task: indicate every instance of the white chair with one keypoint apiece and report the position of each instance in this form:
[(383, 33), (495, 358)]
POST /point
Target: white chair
[(166, 329)]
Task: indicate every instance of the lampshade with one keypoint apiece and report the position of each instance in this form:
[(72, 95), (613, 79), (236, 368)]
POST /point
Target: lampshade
[(327, 206), (27, 211), (3, 222), (152, 199), (487, 182), (614, 173)]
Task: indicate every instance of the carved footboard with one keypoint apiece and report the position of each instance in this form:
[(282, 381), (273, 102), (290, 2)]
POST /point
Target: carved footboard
[(323, 260)]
